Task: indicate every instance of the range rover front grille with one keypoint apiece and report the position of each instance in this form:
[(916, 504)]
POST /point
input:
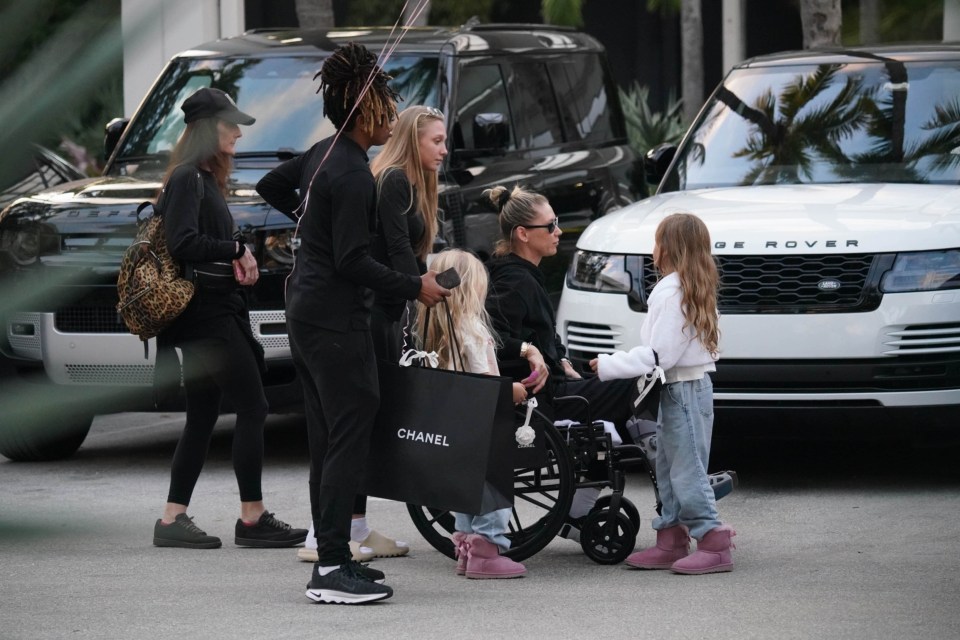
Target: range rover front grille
[(794, 283), (88, 319)]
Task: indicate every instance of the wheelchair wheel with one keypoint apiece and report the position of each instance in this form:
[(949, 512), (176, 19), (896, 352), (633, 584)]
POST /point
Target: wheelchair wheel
[(541, 502), (626, 507), (606, 537)]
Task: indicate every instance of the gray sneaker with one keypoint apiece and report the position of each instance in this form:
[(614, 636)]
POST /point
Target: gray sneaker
[(183, 533), (346, 585)]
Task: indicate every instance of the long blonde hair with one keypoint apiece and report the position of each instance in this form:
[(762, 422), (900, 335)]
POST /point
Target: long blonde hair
[(402, 151), (466, 303), (684, 244), (516, 207)]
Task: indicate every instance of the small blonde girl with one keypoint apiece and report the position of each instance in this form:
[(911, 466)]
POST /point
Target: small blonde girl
[(479, 539), (682, 328)]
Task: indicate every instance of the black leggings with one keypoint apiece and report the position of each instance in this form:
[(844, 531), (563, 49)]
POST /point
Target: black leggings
[(212, 369)]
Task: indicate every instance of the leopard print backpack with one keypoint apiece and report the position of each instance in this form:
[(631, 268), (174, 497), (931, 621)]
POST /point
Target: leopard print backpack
[(152, 293)]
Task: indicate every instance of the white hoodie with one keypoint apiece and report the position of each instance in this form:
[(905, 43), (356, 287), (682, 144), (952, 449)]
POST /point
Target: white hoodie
[(682, 355)]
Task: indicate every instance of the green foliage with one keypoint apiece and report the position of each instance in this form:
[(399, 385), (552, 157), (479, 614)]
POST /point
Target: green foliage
[(647, 128), (563, 12), (62, 75)]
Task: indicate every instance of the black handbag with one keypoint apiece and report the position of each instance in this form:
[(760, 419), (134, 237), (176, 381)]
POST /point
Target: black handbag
[(443, 439)]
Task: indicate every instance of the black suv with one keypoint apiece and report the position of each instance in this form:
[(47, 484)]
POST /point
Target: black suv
[(525, 104)]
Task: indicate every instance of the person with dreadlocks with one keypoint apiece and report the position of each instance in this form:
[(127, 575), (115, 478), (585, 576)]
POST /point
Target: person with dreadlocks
[(328, 307)]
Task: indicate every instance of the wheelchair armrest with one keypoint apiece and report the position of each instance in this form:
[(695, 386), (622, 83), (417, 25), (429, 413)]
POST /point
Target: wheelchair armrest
[(579, 404)]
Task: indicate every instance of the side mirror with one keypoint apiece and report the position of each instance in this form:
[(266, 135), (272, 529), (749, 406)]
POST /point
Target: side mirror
[(656, 161), (112, 133), (491, 132)]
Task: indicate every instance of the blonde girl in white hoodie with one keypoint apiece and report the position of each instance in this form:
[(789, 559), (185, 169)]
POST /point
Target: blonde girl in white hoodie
[(682, 328)]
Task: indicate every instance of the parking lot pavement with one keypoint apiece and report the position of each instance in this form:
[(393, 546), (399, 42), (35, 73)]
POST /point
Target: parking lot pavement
[(848, 543)]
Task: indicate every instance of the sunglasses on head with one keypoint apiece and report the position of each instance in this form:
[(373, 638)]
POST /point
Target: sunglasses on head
[(431, 111), (550, 226)]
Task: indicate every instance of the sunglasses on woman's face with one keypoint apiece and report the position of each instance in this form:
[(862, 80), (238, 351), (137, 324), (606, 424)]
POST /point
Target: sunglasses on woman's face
[(550, 226)]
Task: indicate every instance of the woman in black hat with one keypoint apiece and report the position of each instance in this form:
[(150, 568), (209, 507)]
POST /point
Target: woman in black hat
[(220, 355)]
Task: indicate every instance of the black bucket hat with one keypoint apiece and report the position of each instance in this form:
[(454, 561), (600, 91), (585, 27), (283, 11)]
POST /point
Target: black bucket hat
[(208, 102)]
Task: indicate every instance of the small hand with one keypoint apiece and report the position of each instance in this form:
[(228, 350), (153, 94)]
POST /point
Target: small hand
[(595, 364), (569, 371), (519, 393), (245, 269), (538, 370)]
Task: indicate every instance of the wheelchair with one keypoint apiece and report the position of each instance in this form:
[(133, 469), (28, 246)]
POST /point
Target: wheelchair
[(578, 455)]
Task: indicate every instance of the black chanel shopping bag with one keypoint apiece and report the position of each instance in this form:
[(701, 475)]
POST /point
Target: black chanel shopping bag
[(443, 439)]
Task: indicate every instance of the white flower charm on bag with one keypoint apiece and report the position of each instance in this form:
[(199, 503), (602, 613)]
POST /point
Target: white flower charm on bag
[(525, 434)]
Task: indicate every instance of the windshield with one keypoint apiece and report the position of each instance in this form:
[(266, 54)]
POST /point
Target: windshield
[(871, 121), (279, 92)]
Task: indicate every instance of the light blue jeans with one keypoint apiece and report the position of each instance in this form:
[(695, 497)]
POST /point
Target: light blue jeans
[(491, 526), (683, 451)]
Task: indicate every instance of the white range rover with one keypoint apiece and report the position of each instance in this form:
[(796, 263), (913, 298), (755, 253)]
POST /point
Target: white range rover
[(830, 182)]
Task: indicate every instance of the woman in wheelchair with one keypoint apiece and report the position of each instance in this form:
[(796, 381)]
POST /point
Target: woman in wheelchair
[(681, 327), (525, 321), (478, 539)]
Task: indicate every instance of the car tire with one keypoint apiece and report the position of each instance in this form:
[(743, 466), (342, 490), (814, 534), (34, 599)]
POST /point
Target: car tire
[(37, 441)]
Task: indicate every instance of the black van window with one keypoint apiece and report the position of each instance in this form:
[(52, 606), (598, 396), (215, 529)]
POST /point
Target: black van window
[(582, 97), (480, 94), (534, 106)]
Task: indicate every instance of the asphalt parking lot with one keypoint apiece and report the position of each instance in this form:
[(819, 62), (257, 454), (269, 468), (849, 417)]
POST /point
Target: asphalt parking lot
[(837, 540)]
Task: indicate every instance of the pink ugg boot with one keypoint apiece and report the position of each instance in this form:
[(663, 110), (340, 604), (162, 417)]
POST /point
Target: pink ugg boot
[(460, 551), (673, 543), (712, 554), (485, 562)]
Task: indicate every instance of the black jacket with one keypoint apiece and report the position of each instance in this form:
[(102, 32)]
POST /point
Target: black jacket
[(334, 272), (399, 228), (199, 228), (521, 311)]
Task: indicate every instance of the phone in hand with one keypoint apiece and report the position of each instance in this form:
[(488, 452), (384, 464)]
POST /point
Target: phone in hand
[(448, 279)]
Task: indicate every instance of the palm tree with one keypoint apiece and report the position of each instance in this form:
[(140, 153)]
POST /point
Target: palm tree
[(789, 137)]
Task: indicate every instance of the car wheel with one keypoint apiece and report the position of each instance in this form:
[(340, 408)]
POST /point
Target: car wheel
[(53, 436)]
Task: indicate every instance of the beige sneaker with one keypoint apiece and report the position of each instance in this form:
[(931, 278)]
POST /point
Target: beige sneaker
[(359, 552), (384, 547)]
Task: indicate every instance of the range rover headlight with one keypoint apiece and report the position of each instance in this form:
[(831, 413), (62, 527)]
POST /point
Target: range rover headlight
[(279, 246), (923, 271), (22, 245), (600, 272)]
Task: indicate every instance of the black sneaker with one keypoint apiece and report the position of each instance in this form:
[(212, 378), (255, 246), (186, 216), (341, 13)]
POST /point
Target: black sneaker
[(268, 532), (183, 533), (373, 575), (345, 585)]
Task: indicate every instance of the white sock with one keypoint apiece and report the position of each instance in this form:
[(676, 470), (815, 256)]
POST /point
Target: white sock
[(583, 500), (359, 531), (325, 570), (311, 541)]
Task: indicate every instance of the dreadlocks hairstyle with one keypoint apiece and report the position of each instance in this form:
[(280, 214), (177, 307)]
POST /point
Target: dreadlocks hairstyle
[(684, 244), (342, 79), (402, 153)]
